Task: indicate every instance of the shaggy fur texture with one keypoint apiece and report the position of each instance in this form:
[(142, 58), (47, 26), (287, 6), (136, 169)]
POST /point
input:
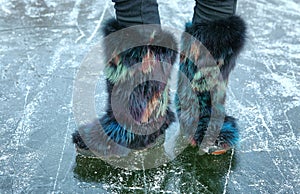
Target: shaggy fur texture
[(149, 100), (223, 40)]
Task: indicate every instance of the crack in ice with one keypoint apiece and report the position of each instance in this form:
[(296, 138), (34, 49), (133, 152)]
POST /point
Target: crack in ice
[(62, 154), (228, 172), (98, 24)]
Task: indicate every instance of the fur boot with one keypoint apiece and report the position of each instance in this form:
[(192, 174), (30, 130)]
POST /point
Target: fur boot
[(223, 39), (148, 101)]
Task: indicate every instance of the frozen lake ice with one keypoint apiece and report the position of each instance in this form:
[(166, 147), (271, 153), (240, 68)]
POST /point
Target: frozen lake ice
[(42, 44)]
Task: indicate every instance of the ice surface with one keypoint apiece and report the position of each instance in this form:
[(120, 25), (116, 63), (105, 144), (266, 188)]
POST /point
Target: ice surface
[(42, 43)]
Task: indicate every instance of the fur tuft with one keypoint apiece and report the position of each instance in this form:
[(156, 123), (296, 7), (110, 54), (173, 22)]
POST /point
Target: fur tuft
[(76, 139), (223, 38), (229, 133), (111, 26)]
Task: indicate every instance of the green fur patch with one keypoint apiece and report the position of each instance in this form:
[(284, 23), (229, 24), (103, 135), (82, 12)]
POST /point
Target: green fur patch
[(164, 101), (206, 79), (116, 74)]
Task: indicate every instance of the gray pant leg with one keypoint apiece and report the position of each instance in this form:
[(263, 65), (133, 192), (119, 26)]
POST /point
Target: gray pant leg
[(208, 10), (133, 12)]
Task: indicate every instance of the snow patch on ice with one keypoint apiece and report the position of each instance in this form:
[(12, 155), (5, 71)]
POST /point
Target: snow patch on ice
[(288, 87)]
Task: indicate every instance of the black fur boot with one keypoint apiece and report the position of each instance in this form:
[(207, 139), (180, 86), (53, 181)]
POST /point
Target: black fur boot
[(137, 85), (221, 42)]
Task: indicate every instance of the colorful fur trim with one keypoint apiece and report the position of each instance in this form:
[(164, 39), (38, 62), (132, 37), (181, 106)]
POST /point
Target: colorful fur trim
[(223, 40), (149, 100)]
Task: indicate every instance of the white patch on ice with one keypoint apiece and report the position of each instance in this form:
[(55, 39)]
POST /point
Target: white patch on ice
[(6, 6), (33, 8), (228, 173), (288, 87)]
